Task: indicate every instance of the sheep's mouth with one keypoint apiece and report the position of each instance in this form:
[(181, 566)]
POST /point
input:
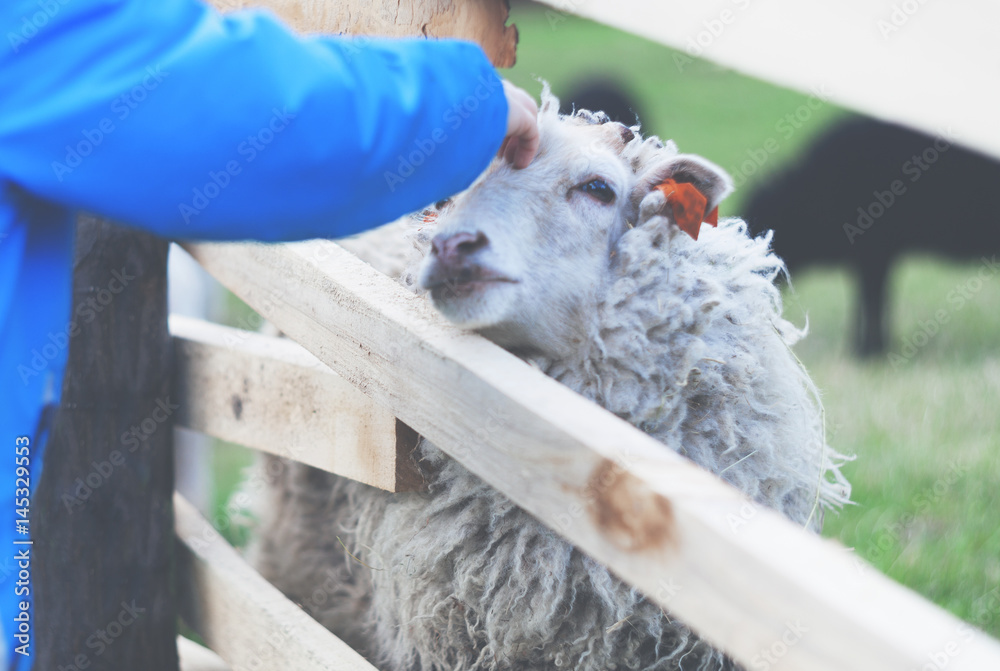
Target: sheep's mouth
[(465, 282), (458, 288)]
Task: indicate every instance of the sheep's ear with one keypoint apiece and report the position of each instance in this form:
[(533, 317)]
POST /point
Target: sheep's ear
[(708, 179)]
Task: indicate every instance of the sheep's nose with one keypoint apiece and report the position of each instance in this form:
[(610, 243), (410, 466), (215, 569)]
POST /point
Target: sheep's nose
[(454, 247)]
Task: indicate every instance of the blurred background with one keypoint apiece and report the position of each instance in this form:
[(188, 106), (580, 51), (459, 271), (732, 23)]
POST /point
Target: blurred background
[(922, 416)]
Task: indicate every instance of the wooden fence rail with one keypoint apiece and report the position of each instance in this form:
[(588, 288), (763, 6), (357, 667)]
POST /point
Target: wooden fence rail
[(241, 616), (739, 574), (272, 395)]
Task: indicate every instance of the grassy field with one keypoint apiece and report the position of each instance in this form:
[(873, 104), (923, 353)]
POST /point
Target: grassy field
[(925, 429), (925, 426)]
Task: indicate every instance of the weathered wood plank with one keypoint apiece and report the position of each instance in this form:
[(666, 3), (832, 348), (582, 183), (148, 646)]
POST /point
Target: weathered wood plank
[(923, 64), (481, 21), (654, 518), (272, 395), (241, 616), (103, 531)]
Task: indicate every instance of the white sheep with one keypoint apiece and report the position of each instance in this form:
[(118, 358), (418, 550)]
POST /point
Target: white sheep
[(575, 264)]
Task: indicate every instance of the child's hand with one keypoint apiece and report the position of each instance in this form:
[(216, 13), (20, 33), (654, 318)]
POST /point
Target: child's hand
[(521, 143)]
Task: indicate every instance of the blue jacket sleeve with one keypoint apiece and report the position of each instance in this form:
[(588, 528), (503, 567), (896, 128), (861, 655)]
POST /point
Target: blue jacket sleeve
[(167, 116)]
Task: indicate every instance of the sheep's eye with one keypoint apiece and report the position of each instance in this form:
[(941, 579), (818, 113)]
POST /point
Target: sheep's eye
[(441, 204), (599, 189)]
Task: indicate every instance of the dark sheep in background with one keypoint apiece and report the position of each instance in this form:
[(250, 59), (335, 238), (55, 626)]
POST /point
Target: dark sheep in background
[(605, 95), (868, 192)]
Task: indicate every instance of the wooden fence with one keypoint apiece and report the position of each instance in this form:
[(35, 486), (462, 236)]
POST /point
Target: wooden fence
[(372, 366)]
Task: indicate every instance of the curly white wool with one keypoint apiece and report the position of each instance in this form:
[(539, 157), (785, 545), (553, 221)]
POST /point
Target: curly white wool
[(685, 340)]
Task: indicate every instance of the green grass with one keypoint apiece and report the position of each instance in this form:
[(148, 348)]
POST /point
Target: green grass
[(230, 463), (926, 429)]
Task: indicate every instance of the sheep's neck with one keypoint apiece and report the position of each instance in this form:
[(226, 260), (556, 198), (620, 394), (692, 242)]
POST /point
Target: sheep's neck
[(554, 339)]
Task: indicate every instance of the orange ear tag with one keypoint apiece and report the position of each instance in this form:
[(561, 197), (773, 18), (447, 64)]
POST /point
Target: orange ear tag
[(688, 205)]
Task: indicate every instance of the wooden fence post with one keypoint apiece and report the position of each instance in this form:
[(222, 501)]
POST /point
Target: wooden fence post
[(103, 511)]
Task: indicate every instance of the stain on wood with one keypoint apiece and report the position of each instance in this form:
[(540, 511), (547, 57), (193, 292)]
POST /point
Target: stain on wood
[(628, 514)]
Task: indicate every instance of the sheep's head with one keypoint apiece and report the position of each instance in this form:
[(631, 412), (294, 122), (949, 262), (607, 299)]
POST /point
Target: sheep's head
[(522, 254)]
